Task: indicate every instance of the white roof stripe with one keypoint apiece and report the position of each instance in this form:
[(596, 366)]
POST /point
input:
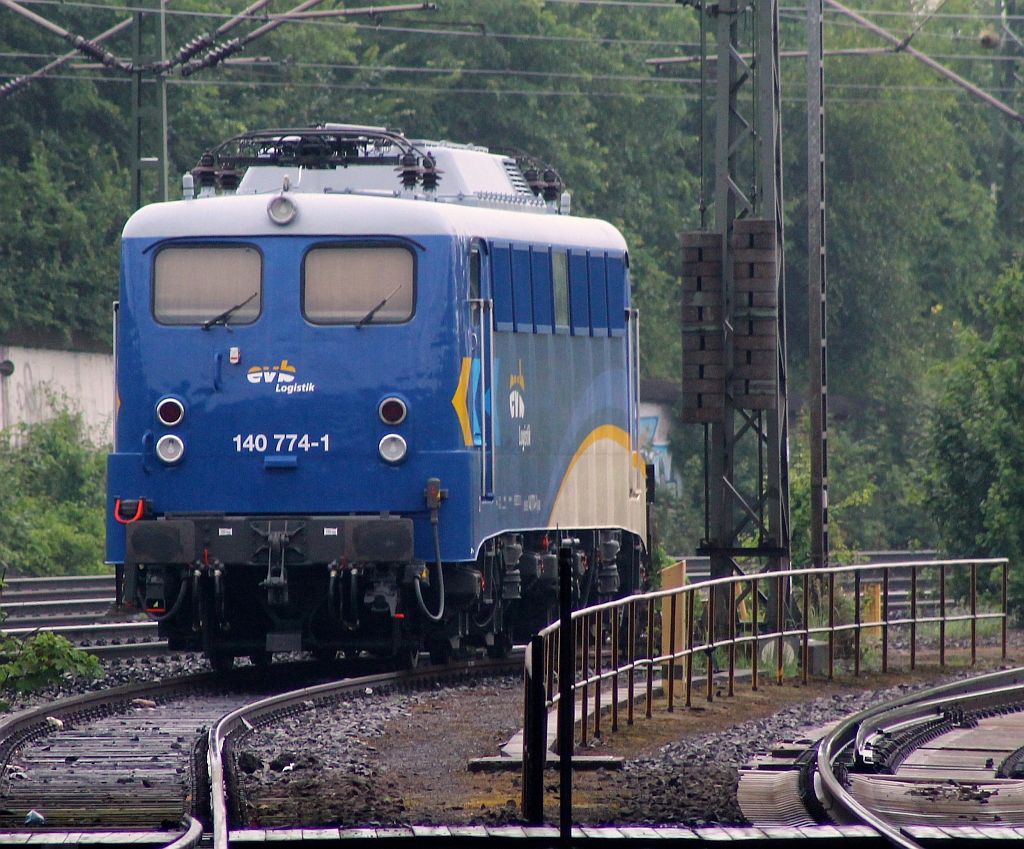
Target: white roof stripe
[(356, 215)]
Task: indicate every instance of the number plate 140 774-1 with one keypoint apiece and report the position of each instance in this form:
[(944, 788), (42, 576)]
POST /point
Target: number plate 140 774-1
[(283, 443)]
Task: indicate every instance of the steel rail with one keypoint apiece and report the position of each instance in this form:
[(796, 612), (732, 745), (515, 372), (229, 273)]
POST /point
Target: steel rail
[(246, 716), (984, 691), (95, 631), (193, 834)]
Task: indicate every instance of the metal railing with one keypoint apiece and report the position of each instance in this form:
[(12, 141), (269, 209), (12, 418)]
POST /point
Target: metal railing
[(714, 629)]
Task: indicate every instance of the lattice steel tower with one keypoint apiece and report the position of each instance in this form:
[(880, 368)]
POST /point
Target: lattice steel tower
[(734, 338)]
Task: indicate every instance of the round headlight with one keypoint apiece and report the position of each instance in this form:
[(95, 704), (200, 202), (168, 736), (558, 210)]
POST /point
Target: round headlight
[(392, 411), (282, 210), (170, 411), (170, 448), (392, 448)]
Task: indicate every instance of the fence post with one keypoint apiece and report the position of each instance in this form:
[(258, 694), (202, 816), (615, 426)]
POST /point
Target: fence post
[(885, 620), (781, 626), (710, 644), (856, 621), (616, 665), (1006, 580), (831, 625), (942, 615), (974, 613), (756, 650), (671, 650), (566, 699), (913, 618), (535, 734)]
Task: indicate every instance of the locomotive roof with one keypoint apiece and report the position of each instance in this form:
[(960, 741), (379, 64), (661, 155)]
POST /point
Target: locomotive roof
[(346, 158), (360, 215)]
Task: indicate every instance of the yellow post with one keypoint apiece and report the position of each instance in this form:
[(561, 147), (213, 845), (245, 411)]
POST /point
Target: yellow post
[(673, 577), (873, 609)]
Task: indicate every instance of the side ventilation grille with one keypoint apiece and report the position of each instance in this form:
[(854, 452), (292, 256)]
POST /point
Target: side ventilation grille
[(516, 177)]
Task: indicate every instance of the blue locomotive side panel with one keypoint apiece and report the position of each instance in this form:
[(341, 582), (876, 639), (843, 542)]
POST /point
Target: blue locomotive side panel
[(562, 437)]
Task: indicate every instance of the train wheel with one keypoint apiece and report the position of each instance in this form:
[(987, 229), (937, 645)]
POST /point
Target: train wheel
[(409, 658), (220, 661), (501, 648), (440, 649), (261, 658)]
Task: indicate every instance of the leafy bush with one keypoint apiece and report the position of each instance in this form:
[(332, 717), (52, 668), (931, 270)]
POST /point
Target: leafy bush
[(51, 497), (30, 664), (976, 440)]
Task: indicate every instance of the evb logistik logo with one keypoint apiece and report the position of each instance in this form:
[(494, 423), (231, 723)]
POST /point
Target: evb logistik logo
[(282, 377)]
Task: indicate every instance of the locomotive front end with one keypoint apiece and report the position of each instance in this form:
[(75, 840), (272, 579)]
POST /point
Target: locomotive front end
[(278, 459), (357, 412)]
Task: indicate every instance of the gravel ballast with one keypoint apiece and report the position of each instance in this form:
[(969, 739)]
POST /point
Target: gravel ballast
[(400, 758), (403, 759)]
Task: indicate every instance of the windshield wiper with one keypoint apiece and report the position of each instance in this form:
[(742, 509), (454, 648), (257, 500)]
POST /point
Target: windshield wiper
[(224, 316), (366, 319)]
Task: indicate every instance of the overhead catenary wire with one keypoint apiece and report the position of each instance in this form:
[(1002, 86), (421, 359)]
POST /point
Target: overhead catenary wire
[(80, 43), (927, 60), (666, 6), (19, 82), (379, 28), (506, 72), (397, 89), (223, 51)]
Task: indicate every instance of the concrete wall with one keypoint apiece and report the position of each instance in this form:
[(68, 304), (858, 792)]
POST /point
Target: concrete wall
[(86, 381)]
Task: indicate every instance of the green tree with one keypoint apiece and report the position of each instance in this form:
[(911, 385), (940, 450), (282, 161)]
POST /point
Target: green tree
[(51, 498), (59, 243), (975, 476)]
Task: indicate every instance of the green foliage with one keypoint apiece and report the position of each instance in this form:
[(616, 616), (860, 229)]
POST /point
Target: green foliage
[(922, 201), (59, 247), (976, 437), (51, 498), (678, 517), (29, 665)]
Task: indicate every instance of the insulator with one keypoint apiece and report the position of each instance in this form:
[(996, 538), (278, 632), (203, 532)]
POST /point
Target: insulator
[(410, 171), (533, 180), (511, 549), (229, 179), (608, 578), (431, 176), (552, 186), (193, 47), (205, 174)]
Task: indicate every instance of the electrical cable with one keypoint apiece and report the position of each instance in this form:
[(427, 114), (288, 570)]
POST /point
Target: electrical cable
[(433, 617), (518, 92)]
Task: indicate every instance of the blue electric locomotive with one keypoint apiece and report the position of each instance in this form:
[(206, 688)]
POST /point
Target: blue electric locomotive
[(365, 386)]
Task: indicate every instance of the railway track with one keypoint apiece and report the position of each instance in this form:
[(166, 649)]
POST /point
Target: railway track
[(81, 609), (135, 762), (160, 767), (945, 763)]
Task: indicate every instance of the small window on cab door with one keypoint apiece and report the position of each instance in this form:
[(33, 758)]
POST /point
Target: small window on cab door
[(560, 282), (474, 273)]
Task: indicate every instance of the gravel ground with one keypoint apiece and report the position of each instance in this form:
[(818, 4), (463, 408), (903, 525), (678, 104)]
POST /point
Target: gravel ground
[(401, 758), (117, 673)]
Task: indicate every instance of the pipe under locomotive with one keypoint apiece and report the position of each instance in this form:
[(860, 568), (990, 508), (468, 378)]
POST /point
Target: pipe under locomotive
[(365, 389)]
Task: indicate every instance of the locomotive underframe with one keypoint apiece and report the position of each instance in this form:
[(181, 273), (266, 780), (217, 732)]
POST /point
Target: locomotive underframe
[(233, 586)]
